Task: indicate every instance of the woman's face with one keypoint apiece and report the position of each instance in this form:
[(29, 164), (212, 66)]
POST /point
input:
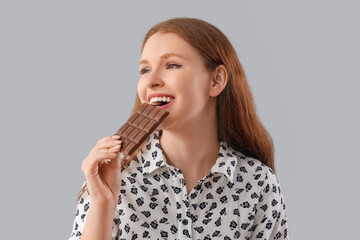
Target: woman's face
[(170, 65)]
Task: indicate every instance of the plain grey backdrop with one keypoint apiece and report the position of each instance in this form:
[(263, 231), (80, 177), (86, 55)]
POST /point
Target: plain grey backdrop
[(69, 74)]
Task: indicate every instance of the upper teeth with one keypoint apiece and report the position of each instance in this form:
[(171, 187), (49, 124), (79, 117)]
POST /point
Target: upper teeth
[(158, 99)]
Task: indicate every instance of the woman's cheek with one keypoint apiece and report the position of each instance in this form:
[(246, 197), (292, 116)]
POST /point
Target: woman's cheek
[(140, 92)]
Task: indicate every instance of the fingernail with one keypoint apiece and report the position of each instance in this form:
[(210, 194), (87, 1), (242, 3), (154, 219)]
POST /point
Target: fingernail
[(115, 136)]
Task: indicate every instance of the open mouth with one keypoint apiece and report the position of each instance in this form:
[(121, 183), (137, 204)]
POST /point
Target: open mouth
[(163, 105), (161, 101)]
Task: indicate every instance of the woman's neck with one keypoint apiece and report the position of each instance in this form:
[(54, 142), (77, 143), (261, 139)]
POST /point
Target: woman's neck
[(191, 149)]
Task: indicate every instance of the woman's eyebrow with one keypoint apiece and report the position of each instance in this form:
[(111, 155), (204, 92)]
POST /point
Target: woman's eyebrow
[(165, 56)]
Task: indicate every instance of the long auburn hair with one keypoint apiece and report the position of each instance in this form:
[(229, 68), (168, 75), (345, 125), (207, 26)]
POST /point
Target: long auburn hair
[(237, 122)]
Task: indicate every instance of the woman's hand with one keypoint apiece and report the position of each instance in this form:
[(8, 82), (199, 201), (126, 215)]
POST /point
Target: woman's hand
[(102, 179)]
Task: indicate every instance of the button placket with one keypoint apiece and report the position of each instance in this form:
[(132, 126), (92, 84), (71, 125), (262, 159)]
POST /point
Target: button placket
[(192, 198), (186, 223)]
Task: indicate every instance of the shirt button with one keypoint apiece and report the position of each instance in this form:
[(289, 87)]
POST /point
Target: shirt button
[(185, 221)]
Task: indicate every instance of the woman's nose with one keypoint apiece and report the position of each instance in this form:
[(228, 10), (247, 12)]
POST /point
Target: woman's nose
[(155, 80)]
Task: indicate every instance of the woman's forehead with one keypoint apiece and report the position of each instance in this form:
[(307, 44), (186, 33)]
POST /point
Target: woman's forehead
[(161, 45)]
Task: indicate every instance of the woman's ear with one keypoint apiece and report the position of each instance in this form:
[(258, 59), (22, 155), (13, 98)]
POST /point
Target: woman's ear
[(218, 81)]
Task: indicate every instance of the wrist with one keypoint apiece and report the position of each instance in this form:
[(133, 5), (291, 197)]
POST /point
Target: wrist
[(104, 205)]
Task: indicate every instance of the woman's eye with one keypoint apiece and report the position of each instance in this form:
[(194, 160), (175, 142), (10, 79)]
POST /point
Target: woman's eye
[(173, 65), (144, 70)]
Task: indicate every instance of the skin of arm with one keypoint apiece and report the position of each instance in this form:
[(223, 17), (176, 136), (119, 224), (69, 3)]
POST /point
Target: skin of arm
[(99, 223)]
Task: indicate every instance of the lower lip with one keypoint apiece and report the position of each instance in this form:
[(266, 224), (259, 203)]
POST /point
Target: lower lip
[(166, 105)]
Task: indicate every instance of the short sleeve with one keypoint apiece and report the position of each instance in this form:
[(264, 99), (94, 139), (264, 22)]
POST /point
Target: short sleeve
[(82, 209), (270, 214)]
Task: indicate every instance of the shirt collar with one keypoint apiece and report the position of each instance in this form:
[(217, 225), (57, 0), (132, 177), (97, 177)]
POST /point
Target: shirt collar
[(226, 161), (152, 157)]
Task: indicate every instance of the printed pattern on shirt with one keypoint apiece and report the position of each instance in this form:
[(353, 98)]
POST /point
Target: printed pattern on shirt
[(240, 198)]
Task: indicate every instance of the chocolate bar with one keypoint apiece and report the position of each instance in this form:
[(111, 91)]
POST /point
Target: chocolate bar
[(139, 127)]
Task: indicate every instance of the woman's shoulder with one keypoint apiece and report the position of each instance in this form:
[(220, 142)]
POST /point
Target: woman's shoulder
[(254, 171), (250, 165)]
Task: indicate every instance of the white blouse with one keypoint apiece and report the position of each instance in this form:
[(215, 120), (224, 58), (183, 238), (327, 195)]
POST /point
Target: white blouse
[(240, 198)]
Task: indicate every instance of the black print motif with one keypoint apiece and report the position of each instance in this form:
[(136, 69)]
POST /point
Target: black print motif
[(240, 198), (209, 196), (148, 146)]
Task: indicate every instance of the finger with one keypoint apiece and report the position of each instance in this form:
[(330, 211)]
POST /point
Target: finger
[(108, 144), (116, 162), (107, 138), (91, 163), (115, 148)]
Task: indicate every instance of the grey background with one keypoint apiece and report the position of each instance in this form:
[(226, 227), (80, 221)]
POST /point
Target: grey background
[(68, 73)]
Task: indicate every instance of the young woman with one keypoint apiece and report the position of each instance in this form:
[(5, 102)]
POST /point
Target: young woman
[(207, 171)]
